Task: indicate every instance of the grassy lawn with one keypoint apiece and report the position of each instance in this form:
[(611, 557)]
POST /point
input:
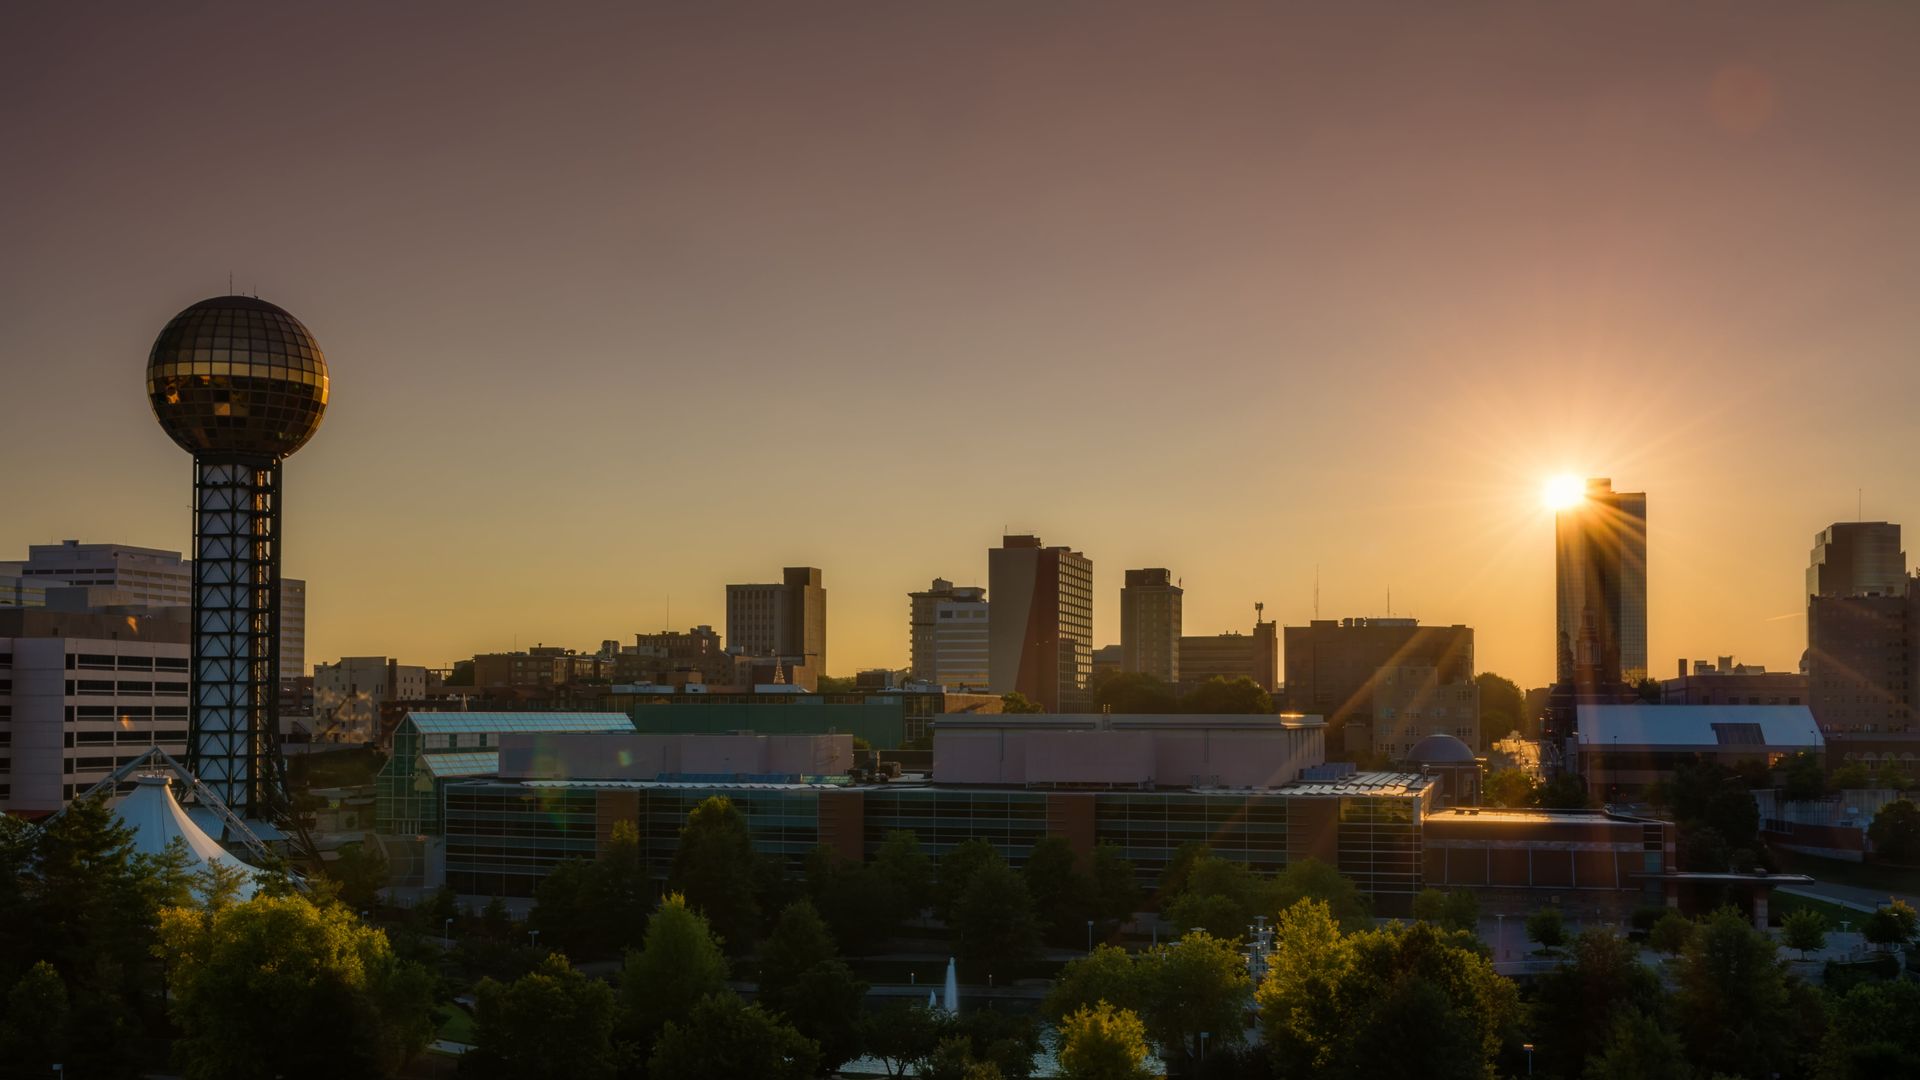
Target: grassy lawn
[(1781, 904), (1860, 875), (459, 1026)]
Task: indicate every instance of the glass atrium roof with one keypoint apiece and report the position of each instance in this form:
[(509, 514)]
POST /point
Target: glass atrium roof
[(462, 763), (462, 723)]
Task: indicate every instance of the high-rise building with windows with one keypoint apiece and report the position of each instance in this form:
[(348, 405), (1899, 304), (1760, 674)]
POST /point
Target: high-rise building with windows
[(785, 619), (1150, 624), (1857, 558), (949, 635), (1601, 586), (1339, 669), (153, 577), (1040, 628)]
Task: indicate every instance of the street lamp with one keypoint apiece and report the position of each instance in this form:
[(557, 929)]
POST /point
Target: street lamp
[(1089, 935), (446, 934), (1203, 1045), (534, 938), (1500, 935), (1528, 1047)]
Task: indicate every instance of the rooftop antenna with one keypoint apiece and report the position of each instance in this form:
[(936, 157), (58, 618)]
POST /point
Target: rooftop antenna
[(1389, 601), (1316, 590), (1859, 504), (229, 283), (1259, 613)]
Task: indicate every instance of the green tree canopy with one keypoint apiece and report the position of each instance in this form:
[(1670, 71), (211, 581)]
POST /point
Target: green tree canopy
[(1804, 929), (1017, 702), (1577, 1004), (1062, 892), (716, 870), (1106, 974), (1895, 832), (1366, 1004), (956, 871), (1511, 787), (804, 980), (1103, 1043), (678, 964), (518, 1027), (246, 983), (1134, 692), (1198, 983), (361, 872), (1548, 927), (1732, 1002), (1891, 925), (1636, 1047), (1116, 887), (34, 1030), (993, 921), (1503, 707), (1311, 879), (1875, 1033), (724, 1036), (904, 864), (1219, 695), (903, 1034), (1803, 778), (1457, 910), (1568, 791), (1671, 933)]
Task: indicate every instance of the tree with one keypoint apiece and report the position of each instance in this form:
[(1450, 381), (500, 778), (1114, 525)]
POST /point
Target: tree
[(1732, 1001), (245, 984), (1895, 832), (678, 964), (1891, 925), (1108, 974), (1638, 1048), (803, 980), (1449, 911), (902, 1034), (904, 864), (1568, 791), (1062, 894), (1134, 692), (1103, 1043), (993, 921), (361, 872), (1007, 1041), (716, 869), (1548, 927), (956, 871), (1511, 787), (1173, 880), (1853, 776), (1017, 702), (1892, 776), (516, 1024), (1804, 929), (1578, 1003), (1116, 888), (1311, 879), (34, 1029), (724, 1036), (1218, 695), (1874, 1033), (1366, 1004), (1503, 708), (1671, 933), (1198, 983), (1212, 913), (1804, 780)]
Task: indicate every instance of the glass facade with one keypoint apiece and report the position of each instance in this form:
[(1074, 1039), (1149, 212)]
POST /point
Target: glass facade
[(430, 749), (237, 375), (945, 818), (1379, 848)]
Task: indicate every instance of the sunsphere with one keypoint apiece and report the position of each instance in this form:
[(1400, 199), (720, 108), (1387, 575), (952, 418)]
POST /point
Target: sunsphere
[(237, 375)]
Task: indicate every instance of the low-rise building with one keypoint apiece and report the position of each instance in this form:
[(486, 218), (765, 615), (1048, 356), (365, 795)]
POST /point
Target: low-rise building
[(1622, 749), (1724, 682)]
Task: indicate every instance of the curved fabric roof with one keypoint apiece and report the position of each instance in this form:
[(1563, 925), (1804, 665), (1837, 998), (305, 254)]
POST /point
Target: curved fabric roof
[(156, 818)]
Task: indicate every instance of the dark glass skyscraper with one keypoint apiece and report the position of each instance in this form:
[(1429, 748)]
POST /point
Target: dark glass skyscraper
[(240, 384), (1601, 587)]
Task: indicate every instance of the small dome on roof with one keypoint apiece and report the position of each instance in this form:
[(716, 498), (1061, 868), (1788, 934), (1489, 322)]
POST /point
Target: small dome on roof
[(1441, 750)]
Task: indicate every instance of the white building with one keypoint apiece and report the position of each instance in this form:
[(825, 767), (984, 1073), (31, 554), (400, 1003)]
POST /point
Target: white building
[(81, 695), (347, 696), (949, 636), (157, 578)]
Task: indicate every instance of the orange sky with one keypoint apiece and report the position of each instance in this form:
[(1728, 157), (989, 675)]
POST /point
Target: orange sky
[(639, 302)]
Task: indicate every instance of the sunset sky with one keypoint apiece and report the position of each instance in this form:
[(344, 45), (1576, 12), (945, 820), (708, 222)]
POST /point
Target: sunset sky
[(640, 300)]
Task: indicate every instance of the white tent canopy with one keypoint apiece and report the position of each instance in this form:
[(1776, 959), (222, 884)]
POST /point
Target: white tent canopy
[(155, 817)]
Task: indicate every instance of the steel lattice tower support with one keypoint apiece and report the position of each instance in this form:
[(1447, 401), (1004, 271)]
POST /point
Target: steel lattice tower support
[(233, 744)]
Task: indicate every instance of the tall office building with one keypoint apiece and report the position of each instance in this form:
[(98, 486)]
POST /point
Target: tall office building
[(788, 619), (1150, 624), (1233, 655), (1601, 586), (1339, 669), (949, 635), (1857, 558), (153, 577), (83, 693), (1040, 628)]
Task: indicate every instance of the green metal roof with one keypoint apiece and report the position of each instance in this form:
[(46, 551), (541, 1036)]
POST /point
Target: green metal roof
[(463, 723)]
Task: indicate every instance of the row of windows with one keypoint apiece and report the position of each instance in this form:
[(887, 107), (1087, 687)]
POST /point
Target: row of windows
[(125, 713), (106, 662), (108, 688)]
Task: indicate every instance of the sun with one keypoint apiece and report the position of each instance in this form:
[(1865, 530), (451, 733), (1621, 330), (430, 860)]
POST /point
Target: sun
[(1563, 491)]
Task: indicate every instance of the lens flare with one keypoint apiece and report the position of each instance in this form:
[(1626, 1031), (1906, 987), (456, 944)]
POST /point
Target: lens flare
[(1563, 491)]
